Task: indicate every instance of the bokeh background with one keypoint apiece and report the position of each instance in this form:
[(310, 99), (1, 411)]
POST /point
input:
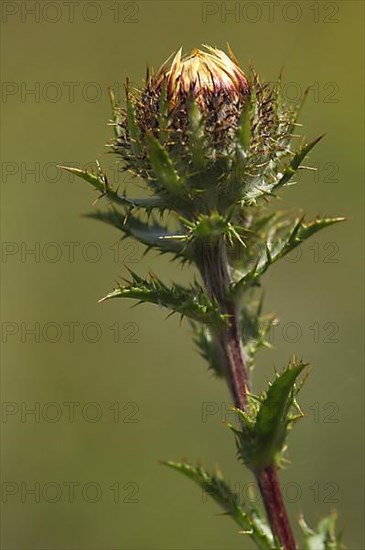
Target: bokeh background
[(115, 389)]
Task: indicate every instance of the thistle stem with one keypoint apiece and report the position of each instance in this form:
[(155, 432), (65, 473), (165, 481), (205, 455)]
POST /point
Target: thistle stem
[(211, 259), (269, 484)]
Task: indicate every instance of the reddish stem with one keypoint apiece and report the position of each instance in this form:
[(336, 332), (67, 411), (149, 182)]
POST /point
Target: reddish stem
[(269, 484), (212, 262)]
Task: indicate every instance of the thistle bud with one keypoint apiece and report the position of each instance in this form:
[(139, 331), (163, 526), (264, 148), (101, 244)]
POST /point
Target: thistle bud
[(203, 138), (210, 79), (192, 106)]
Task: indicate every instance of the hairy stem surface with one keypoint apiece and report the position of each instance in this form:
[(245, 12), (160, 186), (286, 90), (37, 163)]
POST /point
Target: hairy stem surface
[(211, 259)]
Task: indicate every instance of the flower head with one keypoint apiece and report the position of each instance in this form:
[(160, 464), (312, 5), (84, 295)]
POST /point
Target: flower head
[(211, 79), (198, 127), (201, 74)]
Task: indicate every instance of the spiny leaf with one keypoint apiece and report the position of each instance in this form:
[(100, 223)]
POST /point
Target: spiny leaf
[(282, 244), (98, 181), (148, 203), (209, 348), (151, 233), (325, 537), (295, 163), (214, 485), (279, 244), (273, 418), (267, 421), (306, 230), (189, 302)]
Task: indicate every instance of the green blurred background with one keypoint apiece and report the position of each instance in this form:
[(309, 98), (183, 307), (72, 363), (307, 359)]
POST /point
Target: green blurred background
[(138, 388)]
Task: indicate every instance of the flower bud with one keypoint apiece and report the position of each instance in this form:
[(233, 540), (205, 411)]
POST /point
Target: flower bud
[(199, 131), (209, 78), (203, 75)]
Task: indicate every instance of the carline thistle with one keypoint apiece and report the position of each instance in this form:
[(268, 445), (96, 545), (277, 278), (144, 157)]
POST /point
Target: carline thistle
[(213, 147)]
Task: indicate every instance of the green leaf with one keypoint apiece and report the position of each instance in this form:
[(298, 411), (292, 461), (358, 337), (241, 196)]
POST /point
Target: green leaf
[(214, 485), (151, 233), (295, 163), (282, 243), (306, 230), (325, 537), (163, 169), (98, 181), (148, 203), (277, 243), (266, 423), (189, 302), (273, 418), (209, 348)]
